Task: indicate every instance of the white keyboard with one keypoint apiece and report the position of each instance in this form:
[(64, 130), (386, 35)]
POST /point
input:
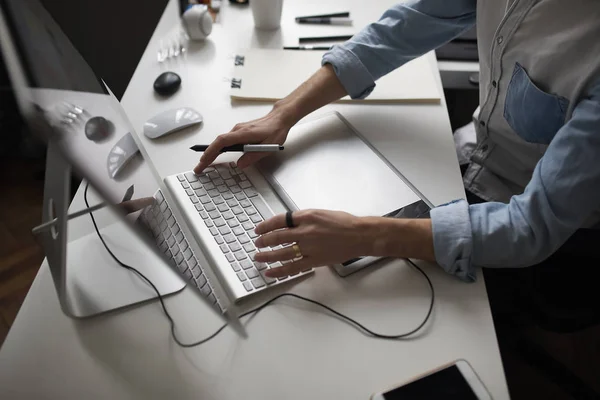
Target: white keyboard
[(228, 204), (169, 237)]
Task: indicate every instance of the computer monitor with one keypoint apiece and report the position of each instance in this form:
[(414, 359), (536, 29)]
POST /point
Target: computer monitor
[(58, 95)]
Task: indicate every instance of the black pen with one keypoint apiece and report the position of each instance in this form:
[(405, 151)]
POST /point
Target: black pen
[(326, 21), (246, 148), (340, 14), (307, 47), (324, 38)]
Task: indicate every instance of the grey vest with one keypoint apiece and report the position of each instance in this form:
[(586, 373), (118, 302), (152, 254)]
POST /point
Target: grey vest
[(537, 59)]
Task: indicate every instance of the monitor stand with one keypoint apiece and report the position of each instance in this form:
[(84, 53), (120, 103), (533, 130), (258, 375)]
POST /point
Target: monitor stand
[(87, 280)]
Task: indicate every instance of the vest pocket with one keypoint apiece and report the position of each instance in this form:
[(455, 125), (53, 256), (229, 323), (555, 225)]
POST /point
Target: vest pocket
[(533, 114)]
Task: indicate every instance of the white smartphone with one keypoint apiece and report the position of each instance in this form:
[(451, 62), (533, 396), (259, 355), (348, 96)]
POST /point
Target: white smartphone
[(456, 380)]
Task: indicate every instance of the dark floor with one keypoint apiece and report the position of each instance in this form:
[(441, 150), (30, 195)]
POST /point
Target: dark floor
[(20, 257)]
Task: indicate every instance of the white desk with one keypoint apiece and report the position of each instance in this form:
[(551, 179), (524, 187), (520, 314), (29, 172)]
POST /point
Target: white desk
[(293, 352)]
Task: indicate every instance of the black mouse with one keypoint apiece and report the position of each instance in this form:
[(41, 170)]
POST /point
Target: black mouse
[(97, 128), (167, 83)]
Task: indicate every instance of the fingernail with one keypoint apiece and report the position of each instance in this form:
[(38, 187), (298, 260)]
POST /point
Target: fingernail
[(258, 243)]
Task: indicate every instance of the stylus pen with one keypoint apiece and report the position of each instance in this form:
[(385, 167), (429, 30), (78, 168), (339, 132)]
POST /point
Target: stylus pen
[(246, 148), (307, 47), (324, 38), (340, 14), (325, 21)]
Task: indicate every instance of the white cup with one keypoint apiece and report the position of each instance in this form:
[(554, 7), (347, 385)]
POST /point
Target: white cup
[(197, 21), (267, 13)]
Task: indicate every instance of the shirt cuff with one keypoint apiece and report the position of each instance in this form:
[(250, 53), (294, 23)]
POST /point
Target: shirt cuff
[(453, 239), (351, 72)]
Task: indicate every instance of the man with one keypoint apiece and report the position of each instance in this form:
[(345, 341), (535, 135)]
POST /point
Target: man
[(537, 158)]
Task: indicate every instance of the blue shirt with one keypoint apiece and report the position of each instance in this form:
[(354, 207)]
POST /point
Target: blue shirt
[(557, 135)]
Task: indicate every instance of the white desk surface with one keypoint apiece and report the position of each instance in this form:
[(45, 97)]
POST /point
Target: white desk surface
[(293, 351)]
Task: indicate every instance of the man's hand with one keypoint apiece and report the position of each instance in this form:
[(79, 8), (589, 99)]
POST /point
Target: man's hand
[(270, 129), (332, 237), (324, 238)]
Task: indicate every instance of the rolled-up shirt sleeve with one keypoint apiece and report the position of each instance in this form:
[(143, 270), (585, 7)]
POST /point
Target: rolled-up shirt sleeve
[(404, 32), (563, 193)]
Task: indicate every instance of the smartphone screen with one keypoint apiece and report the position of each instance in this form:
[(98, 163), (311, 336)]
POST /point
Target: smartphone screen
[(447, 384)]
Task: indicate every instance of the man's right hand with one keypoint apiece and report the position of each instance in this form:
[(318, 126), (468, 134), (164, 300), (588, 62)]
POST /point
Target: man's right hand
[(270, 129)]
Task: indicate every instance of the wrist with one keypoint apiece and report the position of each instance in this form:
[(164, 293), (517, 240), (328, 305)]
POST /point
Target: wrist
[(287, 112)]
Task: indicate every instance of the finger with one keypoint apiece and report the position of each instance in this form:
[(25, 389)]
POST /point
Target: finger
[(277, 237), (250, 158), (214, 149), (276, 222), (284, 254), (289, 268)]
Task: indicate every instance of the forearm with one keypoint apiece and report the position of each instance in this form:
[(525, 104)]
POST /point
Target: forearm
[(320, 89), (399, 238)]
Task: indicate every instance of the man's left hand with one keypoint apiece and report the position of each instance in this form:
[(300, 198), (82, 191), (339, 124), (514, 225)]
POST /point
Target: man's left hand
[(323, 238)]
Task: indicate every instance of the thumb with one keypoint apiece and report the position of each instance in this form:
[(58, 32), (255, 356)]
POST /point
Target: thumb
[(250, 158)]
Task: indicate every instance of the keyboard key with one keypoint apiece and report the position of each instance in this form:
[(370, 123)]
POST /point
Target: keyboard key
[(191, 177), (235, 246), (249, 247), (230, 257), (256, 218), (243, 218), (188, 274), (237, 210), (236, 266), (250, 192), (225, 174), (233, 223), (210, 207), (275, 265), (194, 199), (209, 186), (224, 230), (281, 278), (246, 264), (214, 231), (230, 182), (252, 273), (171, 241), (223, 207), (204, 179), (241, 276), (243, 239), (164, 247), (171, 221), (214, 214), (235, 189), (268, 280), (248, 286), (196, 185), (205, 200), (184, 246), (193, 262), (178, 256), (232, 202), (200, 192), (199, 207), (239, 255), (219, 240), (185, 185), (218, 200), (213, 175), (251, 255), (197, 272), (260, 266), (163, 226), (227, 214), (209, 223), (219, 222), (206, 289), (160, 239), (179, 237), (224, 248), (245, 203), (252, 234), (204, 214), (258, 282), (240, 196), (176, 229), (227, 195), (163, 206), (200, 280), (181, 178), (248, 226), (187, 254), (213, 193), (245, 184), (175, 250), (250, 211), (242, 175), (230, 238), (238, 230), (222, 188), (218, 181), (168, 213)]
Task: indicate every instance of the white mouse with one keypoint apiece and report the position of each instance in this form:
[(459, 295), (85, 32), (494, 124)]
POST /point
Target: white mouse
[(121, 153), (171, 121)]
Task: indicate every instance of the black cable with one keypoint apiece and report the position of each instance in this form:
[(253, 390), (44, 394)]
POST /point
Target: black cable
[(360, 327)]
